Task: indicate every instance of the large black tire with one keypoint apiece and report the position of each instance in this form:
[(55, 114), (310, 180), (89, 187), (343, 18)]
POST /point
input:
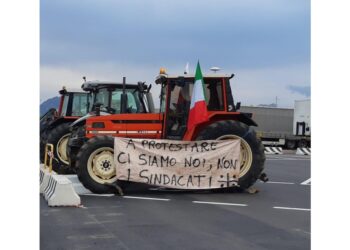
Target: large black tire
[(291, 144), (302, 143), (60, 164), (226, 128), (84, 169)]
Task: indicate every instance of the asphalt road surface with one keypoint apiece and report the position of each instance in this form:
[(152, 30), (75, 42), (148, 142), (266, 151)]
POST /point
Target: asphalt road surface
[(278, 217)]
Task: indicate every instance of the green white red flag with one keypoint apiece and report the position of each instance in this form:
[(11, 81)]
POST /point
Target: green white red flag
[(198, 108)]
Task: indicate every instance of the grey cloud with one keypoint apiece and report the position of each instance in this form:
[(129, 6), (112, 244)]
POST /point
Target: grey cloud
[(243, 33)]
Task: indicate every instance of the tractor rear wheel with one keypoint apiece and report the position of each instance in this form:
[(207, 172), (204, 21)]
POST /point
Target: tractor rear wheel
[(58, 136), (95, 164), (252, 155)]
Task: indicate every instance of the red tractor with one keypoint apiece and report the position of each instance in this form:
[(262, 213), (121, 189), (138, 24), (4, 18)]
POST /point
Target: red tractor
[(54, 124), (99, 96), (106, 97), (94, 160)]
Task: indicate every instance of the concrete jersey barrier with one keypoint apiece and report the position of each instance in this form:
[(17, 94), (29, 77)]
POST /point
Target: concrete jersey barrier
[(58, 190), (303, 151)]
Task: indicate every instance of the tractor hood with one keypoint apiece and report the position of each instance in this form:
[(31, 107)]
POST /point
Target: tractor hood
[(83, 118)]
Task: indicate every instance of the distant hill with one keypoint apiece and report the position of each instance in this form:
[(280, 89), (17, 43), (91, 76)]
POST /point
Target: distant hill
[(49, 103)]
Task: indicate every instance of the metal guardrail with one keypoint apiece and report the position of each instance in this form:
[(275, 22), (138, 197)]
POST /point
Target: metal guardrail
[(48, 154)]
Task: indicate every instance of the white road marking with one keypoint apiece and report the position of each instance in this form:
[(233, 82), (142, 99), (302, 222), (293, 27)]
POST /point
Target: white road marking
[(307, 182), (220, 203), (145, 198), (280, 182), (287, 159), (168, 190), (102, 195), (293, 208), (104, 222), (299, 230), (288, 155)]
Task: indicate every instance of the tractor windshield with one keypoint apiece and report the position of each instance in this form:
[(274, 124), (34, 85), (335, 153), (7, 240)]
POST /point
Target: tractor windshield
[(111, 98)]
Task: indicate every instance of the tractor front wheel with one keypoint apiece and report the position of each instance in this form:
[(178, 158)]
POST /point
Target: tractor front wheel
[(95, 164), (252, 155)]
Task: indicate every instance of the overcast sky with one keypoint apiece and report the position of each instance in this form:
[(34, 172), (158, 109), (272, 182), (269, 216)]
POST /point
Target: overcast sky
[(266, 43)]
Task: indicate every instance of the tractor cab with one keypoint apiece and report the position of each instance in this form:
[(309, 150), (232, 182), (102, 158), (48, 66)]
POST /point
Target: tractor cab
[(109, 99), (73, 104), (176, 92), (107, 96)]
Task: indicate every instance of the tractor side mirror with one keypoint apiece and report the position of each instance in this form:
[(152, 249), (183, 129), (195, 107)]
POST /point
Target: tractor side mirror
[(238, 105), (141, 87), (97, 108)]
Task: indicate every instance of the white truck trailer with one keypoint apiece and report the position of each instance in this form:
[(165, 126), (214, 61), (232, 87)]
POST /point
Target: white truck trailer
[(289, 128)]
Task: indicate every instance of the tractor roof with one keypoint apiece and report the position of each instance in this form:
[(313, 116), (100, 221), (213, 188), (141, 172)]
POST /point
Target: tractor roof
[(161, 77), (94, 85), (64, 91)]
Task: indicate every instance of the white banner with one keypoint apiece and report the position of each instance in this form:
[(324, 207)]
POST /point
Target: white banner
[(178, 164)]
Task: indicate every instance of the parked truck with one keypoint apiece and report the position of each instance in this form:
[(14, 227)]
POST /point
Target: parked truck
[(289, 128)]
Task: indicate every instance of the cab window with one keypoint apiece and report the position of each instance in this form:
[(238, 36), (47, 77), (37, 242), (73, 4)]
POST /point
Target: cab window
[(214, 94), (65, 105), (102, 96), (133, 104), (79, 105)]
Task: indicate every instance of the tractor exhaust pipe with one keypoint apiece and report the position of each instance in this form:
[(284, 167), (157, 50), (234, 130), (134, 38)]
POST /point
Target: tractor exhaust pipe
[(124, 99)]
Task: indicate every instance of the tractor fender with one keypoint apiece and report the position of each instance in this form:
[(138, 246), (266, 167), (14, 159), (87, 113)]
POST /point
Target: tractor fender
[(237, 116), (245, 118), (59, 121), (83, 119)]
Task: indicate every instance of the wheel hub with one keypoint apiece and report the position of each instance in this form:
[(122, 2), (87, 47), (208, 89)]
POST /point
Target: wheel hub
[(106, 165)]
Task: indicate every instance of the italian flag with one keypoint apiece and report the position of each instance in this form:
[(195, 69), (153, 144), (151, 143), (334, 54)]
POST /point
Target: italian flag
[(198, 109)]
